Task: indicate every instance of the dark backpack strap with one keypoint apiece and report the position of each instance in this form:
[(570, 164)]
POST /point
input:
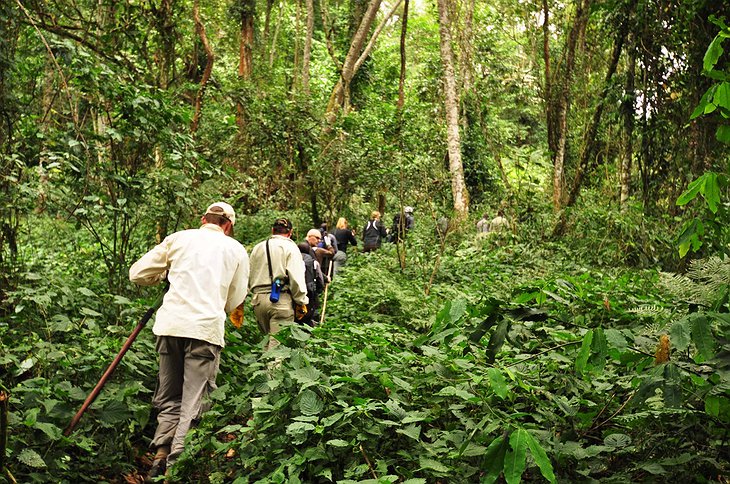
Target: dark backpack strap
[(268, 259)]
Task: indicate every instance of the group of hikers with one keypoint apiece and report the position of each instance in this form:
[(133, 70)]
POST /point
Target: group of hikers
[(210, 275)]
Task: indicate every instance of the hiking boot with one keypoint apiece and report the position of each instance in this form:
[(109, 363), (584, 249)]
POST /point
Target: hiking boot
[(159, 466)]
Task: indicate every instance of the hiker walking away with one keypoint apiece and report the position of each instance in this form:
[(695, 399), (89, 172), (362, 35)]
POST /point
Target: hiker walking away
[(344, 236), (498, 223), (208, 274), (277, 281), (483, 224), (323, 255), (402, 224), (328, 241), (315, 284), (373, 233)]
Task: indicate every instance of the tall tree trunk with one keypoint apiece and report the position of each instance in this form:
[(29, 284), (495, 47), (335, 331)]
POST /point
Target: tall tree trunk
[(402, 78), (591, 134), (267, 20), (458, 185), (164, 17), (548, 86), (560, 101), (466, 45), (272, 51), (627, 112), (245, 53), (200, 30), (340, 94), (297, 30), (307, 55)]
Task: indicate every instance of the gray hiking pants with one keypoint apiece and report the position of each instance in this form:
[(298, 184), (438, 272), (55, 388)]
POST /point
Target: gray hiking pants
[(188, 368)]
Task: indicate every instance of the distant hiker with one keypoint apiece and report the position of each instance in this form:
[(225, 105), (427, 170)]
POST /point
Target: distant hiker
[(315, 284), (323, 255), (499, 223), (483, 224), (373, 233), (208, 273), (329, 242), (442, 227), (344, 236), (277, 281), (402, 225), (328, 239)]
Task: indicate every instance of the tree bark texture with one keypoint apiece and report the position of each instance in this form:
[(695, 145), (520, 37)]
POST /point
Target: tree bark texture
[(245, 53), (627, 112), (340, 94), (560, 103), (200, 30), (307, 55), (456, 169), (591, 134), (402, 78)]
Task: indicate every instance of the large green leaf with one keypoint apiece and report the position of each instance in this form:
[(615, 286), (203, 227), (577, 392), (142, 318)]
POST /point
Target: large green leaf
[(432, 464), (702, 338), (680, 334), (714, 51), (497, 340), (585, 352), (494, 460), (690, 237), (723, 134), (498, 383), (541, 458), (599, 349), (515, 458), (722, 95), (693, 189), (310, 403), (31, 458)]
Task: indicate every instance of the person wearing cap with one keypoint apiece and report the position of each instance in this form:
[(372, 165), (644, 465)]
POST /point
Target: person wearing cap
[(208, 271), (402, 224), (277, 258)]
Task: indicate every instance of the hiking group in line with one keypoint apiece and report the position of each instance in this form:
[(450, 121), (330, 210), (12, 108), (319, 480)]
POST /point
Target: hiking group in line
[(210, 275)]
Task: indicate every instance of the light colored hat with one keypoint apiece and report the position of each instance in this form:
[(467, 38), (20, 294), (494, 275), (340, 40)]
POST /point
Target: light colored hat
[(408, 209), (314, 232), (223, 209)]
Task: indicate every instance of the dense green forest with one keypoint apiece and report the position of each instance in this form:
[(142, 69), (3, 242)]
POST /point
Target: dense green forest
[(588, 343)]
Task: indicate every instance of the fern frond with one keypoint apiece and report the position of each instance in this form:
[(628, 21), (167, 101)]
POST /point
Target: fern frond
[(649, 310), (682, 287)]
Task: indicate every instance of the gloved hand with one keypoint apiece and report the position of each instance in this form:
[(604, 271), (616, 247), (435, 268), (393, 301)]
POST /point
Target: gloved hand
[(300, 310), (237, 316)]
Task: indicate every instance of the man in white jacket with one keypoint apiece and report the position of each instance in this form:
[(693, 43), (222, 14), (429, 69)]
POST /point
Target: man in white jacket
[(208, 274)]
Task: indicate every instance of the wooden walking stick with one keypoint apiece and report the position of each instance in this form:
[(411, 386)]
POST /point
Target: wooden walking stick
[(324, 305), (97, 389)]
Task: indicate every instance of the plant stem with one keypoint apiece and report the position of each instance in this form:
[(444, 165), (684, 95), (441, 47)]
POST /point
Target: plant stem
[(4, 397), (372, 471)]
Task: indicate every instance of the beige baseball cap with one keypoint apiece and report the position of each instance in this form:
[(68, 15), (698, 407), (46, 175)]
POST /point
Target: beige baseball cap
[(222, 208)]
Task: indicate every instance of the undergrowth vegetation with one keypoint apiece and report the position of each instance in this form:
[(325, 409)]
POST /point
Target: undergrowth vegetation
[(528, 359)]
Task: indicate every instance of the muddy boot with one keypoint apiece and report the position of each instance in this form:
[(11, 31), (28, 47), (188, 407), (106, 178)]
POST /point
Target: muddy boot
[(159, 464)]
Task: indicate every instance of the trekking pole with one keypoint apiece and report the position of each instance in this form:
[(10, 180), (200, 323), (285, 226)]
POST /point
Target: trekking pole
[(326, 288), (97, 389)]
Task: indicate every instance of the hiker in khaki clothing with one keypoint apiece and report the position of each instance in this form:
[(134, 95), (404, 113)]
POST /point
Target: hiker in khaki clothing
[(277, 260), (208, 274)]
